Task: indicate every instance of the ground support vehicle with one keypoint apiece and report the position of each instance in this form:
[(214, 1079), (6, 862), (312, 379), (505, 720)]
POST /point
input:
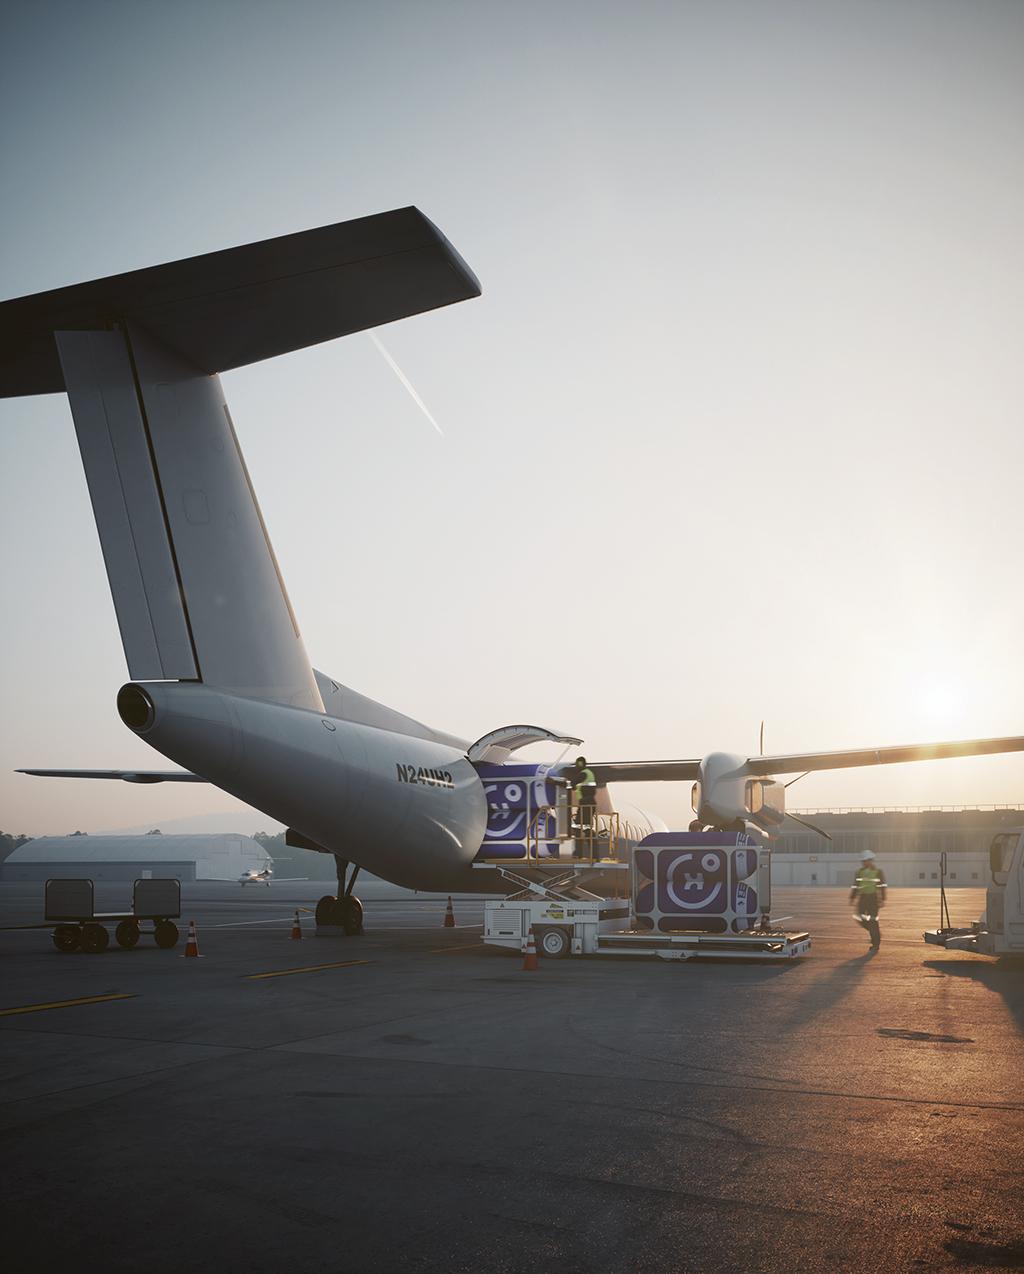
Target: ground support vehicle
[(81, 928), (689, 895), (1000, 931)]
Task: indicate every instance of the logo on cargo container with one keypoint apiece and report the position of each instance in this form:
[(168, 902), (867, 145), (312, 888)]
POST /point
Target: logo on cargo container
[(694, 882)]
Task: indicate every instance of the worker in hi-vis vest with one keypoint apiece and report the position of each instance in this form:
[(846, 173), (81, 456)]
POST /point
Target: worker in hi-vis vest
[(585, 800), (869, 894)]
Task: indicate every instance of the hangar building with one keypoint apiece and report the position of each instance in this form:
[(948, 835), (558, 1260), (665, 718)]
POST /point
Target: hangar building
[(907, 843), (953, 829), (208, 857)]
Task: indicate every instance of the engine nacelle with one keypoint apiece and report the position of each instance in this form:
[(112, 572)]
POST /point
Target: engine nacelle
[(727, 795)]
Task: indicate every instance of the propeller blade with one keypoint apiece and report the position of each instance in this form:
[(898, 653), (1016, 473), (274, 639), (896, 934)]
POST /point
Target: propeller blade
[(810, 826)]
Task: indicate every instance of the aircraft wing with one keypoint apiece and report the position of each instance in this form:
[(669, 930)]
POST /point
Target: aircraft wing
[(126, 776), (646, 771), (801, 762)]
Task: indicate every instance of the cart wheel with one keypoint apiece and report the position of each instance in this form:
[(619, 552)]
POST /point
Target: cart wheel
[(67, 937), (94, 939), (351, 915), (165, 934), (325, 910), (126, 934), (554, 944)]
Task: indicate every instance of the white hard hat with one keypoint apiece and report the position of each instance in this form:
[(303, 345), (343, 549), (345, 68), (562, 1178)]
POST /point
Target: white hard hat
[(866, 855)]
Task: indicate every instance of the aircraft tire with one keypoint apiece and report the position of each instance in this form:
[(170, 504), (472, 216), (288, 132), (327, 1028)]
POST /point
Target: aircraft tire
[(325, 910), (95, 939), (126, 935), (67, 937), (165, 934), (352, 916), (554, 943)]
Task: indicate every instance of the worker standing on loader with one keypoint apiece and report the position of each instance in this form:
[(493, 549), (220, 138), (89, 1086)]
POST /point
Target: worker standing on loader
[(869, 894), (585, 794)]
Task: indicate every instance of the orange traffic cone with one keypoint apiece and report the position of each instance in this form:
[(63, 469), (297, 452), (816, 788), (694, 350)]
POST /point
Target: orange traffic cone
[(296, 929), (449, 915), (530, 953), (192, 945)]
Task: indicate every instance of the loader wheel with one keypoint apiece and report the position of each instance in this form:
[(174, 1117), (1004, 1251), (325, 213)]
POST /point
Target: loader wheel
[(554, 944)]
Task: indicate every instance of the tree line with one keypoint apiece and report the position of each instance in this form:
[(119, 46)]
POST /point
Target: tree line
[(296, 862), (9, 842)]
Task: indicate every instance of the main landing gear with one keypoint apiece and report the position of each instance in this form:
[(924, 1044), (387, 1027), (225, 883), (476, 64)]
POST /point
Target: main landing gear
[(344, 911)]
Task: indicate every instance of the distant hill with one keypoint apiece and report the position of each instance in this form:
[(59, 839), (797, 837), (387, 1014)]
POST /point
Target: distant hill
[(245, 822)]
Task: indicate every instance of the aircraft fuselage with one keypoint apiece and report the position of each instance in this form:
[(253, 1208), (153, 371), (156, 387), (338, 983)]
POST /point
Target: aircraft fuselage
[(410, 810)]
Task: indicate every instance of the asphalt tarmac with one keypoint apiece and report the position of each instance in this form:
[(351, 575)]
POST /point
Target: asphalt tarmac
[(412, 1100)]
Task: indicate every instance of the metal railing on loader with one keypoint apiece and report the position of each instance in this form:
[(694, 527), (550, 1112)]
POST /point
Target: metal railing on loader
[(597, 843)]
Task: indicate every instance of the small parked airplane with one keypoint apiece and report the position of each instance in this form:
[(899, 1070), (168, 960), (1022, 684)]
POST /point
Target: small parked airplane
[(254, 877), (221, 682)]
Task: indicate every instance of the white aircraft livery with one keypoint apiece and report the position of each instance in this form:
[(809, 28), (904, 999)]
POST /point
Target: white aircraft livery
[(264, 877), (220, 680)]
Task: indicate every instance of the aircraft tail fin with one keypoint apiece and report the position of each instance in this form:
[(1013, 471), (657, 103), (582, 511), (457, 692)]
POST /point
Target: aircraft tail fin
[(196, 586)]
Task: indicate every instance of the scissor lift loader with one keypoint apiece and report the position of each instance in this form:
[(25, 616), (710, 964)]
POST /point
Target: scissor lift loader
[(690, 894)]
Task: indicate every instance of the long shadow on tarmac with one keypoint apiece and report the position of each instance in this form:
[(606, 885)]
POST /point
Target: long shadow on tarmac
[(824, 993), (1005, 978)]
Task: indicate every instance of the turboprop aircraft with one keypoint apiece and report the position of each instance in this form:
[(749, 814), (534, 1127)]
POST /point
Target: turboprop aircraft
[(220, 680)]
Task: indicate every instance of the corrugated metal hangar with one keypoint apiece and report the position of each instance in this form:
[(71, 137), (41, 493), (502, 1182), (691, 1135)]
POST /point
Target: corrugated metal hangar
[(212, 857)]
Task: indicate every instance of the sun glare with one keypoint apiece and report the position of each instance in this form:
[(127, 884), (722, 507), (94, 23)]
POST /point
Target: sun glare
[(941, 700)]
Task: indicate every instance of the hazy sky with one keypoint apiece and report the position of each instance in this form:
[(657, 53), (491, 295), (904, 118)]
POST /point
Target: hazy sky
[(748, 355)]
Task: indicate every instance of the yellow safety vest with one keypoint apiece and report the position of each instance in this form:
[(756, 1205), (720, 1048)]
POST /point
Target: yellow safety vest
[(868, 880), (587, 779)]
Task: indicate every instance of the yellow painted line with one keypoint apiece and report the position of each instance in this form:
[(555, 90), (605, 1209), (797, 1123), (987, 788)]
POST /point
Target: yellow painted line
[(63, 1004), (311, 968), (466, 946)]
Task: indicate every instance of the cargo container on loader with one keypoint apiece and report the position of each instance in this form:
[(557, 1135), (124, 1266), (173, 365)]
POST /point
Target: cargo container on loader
[(689, 894)]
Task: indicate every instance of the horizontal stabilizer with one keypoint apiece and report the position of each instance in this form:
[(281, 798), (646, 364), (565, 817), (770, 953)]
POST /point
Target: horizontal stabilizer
[(240, 305), (126, 776)]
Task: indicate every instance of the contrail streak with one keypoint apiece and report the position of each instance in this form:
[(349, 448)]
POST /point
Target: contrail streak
[(405, 380)]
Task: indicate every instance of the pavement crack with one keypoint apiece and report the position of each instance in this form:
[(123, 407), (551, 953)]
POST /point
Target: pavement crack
[(824, 1093)]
